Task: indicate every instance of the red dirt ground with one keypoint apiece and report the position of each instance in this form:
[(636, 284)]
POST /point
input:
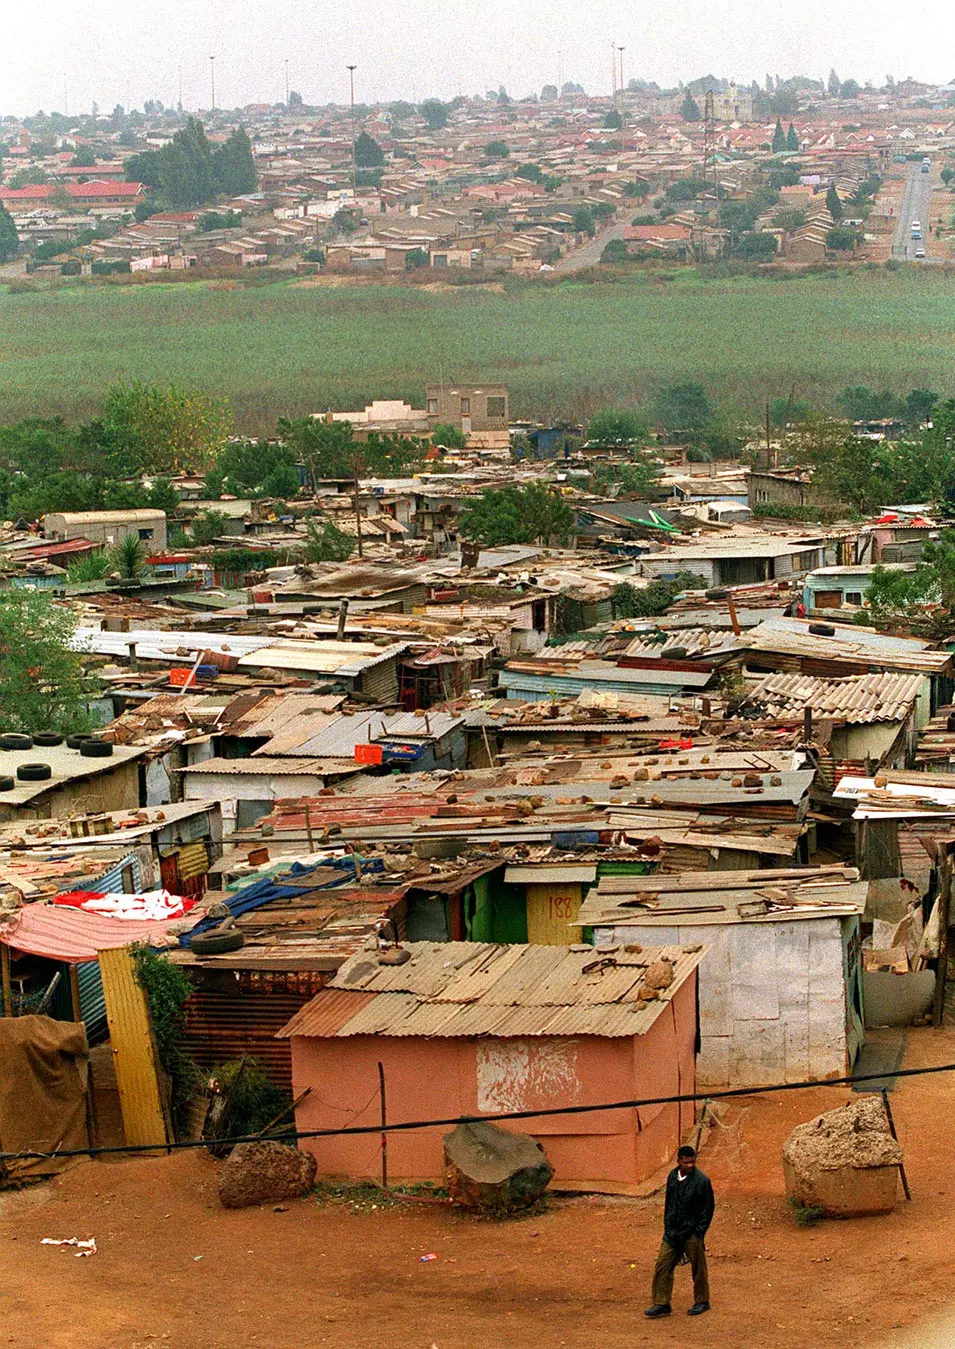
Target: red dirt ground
[(174, 1269)]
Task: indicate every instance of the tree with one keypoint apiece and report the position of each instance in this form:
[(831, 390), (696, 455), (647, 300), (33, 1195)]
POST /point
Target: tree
[(435, 113), (208, 527), (615, 251), (847, 467), (609, 428), (164, 429), (448, 437), (584, 220), (415, 258), (833, 203), (329, 449), (326, 542), (146, 168), (947, 174), (42, 684), (295, 101), (233, 167), (850, 89), (83, 157), (549, 93), (186, 174), (756, 246), (517, 515), (9, 239), (690, 109), (255, 468), (919, 404), (28, 178), (841, 239), (683, 407), (834, 84), (129, 556), (779, 138), (792, 139), (612, 119), (496, 150), (368, 153), (862, 404)]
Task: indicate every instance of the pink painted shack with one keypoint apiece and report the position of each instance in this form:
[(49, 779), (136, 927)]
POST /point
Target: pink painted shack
[(470, 1028)]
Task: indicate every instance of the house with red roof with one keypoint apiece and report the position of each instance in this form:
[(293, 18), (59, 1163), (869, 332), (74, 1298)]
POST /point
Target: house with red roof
[(92, 193)]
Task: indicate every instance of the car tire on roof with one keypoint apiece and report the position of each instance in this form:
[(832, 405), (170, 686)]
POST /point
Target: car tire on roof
[(7, 784), (822, 629), (717, 594), (216, 943), (74, 741), (47, 739), (34, 772), (96, 749), (13, 740)]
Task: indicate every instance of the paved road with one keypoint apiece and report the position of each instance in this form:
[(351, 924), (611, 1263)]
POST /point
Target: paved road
[(589, 254), (916, 199)]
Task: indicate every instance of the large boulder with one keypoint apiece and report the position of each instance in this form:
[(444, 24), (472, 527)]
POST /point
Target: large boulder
[(491, 1169), (265, 1173), (844, 1162)]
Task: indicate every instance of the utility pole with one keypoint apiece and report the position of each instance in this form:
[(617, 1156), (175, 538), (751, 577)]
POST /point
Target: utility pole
[(621, 50), (613, 70), (286, 81), (560, 73), (66, 98), (180, 87), (354, 185), (212, 77)]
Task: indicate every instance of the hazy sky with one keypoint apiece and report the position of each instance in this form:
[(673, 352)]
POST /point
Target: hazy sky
[(125, 51)]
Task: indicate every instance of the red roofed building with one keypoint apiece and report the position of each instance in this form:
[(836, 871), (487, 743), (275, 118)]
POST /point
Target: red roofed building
[(93, 193)]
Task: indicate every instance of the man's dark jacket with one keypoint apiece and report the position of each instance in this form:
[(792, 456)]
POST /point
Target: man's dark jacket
[(689, 1206)]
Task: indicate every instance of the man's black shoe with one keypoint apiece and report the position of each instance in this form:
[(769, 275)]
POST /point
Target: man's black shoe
[(658, 1309), (698, 1309)]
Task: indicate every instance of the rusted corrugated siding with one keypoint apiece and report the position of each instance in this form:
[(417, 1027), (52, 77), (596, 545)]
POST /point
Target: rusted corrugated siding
[(222, 1026)]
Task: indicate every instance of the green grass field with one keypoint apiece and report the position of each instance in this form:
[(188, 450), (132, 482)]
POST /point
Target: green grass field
[(564, 348)]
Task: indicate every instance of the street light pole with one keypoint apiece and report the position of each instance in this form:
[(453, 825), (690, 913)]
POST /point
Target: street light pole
[(354, 164), (286, 82), (212, 76), (620, 50)]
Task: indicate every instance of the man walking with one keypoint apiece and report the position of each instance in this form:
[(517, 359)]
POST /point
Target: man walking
[(687, 1214)]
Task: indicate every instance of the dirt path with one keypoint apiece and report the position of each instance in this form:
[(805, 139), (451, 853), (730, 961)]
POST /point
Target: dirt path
[(174, 1269)]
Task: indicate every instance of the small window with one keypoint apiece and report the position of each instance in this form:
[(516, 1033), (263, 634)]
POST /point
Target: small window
[(497, 407), (432, 406), (465, 407), (145, 533), (854, 597)]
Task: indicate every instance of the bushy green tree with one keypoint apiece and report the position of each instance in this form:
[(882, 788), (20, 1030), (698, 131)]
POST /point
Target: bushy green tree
[(517, 515), (329, 449), (618, 428), (368, 153), (208, 527), (448, 436), (9, 239), (326, 542), (496, 150), (255, 468), (779, 138), (233, 167), (435, 113), (584, 220), (42, 684), (165, 429), (683, 407), (690, 109), (792, 138), (834, 203), (862, 404)]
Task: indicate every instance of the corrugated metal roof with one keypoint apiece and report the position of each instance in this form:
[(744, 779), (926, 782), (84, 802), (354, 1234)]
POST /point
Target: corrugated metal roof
[(156, 644), (72, 935), (857, 699), (568, 873), (696, 642), (476, 988), (262, 766), (321, 657), (792, 636), (338, 735)]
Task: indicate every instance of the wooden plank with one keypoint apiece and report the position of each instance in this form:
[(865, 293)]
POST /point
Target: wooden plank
[(551, 909), (7, 985), (134, 1050)]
